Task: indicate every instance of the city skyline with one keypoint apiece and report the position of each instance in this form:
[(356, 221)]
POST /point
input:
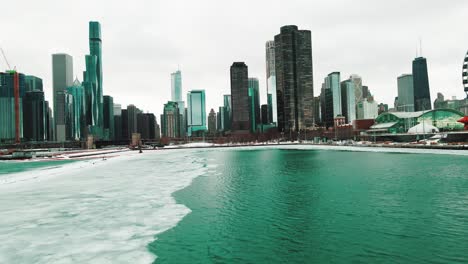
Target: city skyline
[(205, 67)]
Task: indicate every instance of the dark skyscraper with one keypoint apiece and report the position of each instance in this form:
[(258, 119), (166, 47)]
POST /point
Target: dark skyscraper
[(255, 116), (34, 116), (422, 96), (108, 118), (294, 80), (240, 98), (265, 118)]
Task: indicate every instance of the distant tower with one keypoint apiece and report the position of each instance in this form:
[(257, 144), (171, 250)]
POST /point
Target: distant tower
[(465, 74), (62, 77), (240, 122), (422, 96)]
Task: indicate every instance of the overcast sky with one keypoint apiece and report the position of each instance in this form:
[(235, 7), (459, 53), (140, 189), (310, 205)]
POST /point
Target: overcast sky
[(144, 41)]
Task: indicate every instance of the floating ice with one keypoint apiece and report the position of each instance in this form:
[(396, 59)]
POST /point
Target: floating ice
[(101, 211)]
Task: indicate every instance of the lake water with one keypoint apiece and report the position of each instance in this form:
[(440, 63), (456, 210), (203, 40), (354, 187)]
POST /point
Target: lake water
[(255, 205)]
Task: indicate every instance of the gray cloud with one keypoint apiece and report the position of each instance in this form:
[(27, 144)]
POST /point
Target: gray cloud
[(144, 41)]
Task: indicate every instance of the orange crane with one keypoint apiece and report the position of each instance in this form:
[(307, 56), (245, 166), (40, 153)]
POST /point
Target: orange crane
[(16, 94)]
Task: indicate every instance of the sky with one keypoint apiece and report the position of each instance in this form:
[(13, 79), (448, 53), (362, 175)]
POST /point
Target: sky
[(144, 41)]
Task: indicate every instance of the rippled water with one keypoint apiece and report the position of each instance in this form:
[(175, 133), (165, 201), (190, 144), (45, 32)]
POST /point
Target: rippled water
[(316, 206), (258, 205)]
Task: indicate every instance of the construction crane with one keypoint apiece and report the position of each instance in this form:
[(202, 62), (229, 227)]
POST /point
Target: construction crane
[(16, 95)]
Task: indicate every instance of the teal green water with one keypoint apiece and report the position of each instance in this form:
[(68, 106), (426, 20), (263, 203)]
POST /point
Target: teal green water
[(7, 167), (294, 206)]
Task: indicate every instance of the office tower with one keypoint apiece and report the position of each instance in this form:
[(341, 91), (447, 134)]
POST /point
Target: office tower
[(12, 91), (240, 107), (124, 128), (348, 103), (76, 112), (34, 116), (176, 96), (294, 80), (33, 83), (465, 74), (152, 125), (220, 119), (317, 111), (264, 116), (422, 96), (326, 106), (170, 120), (108, 113), (358, 89), (367, 109), (382, 108), (365, 92), (117, 122), (143, 126), (271, 82), (132, 112), (227, 113), (49, 122), (405, 93), (332, 82), (62, 77), (212, 122), (254, 100), (196, 113)]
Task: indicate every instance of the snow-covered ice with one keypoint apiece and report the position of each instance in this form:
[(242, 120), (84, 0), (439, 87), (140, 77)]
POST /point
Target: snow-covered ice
[(99, 211)]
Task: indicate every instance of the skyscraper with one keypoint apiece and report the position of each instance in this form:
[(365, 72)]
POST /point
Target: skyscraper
[(34, 116), (62, 77), (12, 92), (176, 96), (465, 74), (108, 109), (76, 116), (227, 112), (170, 120), (117, 122), (294, 80), (358, 89), (332, 82), (212, 122), (348, 100), (326, 106), (33, 83), (422, 96), (241, 122), (255, 117), (196, 113), (271, 82), (132, 112), (405, 93)]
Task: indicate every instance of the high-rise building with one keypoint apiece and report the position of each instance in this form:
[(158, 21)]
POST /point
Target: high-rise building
[(12, 92), (348, 103), (240, 107), (422, 96), (358, 89), (254, 96), (382, 108), (465, 74), (170, 120), (294, 79), (132, 112), (317, 110), (196, 113), (143, 125), (212, 122), (264, 116), (124, 127), (76, 115), (33, 83), (227, 112), (326, 106), (108, 109), (176, 96), (34, 116), (405, 93), (367, 109), (117, 122), (62, 77), (271, 82), (332, 82)]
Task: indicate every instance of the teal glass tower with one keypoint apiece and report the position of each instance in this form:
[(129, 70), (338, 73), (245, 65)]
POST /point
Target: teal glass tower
[(76, 122), (196, 111), (254, 98), (93, 81)]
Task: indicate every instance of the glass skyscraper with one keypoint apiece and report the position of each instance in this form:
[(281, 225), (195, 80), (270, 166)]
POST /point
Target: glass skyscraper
[(271, 81), (76, 123), (240, 100), (348, 103), (176, 96), (422, 96), (170, 120), (33, 83), (294, 79), (255, 117), (62, 77), (108, 110), (196, 111), (332, 82), (405, 93), (227, 110)]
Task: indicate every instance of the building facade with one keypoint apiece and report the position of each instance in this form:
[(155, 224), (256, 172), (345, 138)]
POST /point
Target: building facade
[(294, 79), (422, 95), (348, 103), (62, 77), (241, 122), (405, 93), (34, 116), (108, 113), (254, 95), (170, 120), (271, 81), (196, 112), (212, 122), (76, 112)]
